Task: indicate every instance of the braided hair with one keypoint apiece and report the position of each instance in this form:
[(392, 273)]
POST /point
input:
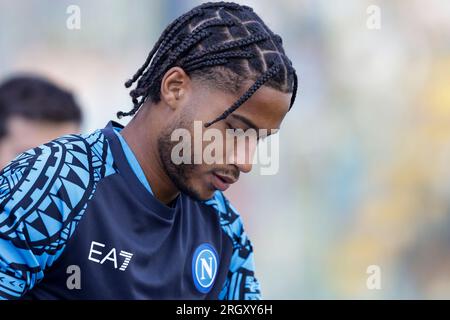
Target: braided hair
[(223, 43)]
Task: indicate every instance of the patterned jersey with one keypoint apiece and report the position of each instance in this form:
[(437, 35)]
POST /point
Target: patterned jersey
[(77, 223)]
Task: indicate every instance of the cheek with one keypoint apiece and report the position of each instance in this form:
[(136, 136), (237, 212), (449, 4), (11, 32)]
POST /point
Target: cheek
[(206, 106), (198, 175), (198, 172)]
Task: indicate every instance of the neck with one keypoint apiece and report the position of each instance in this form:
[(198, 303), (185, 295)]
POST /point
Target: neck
[(144, 144)]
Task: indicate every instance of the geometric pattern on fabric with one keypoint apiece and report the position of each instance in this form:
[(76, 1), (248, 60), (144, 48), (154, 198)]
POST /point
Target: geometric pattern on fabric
[(241, 283), (43, 195)]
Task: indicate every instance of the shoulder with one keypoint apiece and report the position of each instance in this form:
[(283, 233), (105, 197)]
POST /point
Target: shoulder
[(241, 282), (43, 195), (44, 190), (230, 219)]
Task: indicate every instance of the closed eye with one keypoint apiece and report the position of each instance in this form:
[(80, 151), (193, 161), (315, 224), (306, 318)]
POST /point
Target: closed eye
[(239, 131)]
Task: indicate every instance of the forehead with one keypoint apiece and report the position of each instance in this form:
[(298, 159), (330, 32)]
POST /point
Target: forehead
[(266, 108)]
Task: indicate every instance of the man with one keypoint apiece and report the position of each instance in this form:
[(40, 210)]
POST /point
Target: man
[(33, 111), (111, 215)]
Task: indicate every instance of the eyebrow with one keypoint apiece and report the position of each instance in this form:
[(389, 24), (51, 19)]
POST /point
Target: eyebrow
[(245, 120)]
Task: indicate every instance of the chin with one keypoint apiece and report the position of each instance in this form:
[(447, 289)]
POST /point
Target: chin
[(200, 193), (197, 187), (209, 195)]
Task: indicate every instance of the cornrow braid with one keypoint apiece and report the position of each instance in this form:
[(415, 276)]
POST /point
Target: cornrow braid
[(207, 24), (294, 89), (230, 54), (163, 39), (230, 45), (212, 35)]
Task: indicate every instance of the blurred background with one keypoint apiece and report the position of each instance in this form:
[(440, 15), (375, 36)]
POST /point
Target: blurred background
[(364, 173)]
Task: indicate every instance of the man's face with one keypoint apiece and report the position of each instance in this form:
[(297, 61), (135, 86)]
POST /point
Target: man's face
[(24, 134), (264, 110)]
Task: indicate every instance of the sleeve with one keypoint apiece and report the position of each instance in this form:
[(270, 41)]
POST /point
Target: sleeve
[(241, 283), (37, 212)]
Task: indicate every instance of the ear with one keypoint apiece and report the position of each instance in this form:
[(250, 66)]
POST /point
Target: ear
[(174, 87)]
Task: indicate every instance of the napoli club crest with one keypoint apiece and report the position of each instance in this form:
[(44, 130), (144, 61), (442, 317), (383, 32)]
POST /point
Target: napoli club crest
[(205, 263)]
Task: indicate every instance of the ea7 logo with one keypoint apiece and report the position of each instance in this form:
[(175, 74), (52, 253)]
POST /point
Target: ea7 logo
[(111, 256)]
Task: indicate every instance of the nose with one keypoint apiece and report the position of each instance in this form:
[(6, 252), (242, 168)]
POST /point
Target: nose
[(243, 155), (244, 167)]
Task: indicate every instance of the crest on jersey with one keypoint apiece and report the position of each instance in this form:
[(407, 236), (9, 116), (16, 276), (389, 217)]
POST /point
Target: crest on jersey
[(205, 264)]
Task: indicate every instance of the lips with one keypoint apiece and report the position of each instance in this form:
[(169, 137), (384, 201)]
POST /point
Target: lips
[(227, 179), (222, 182)]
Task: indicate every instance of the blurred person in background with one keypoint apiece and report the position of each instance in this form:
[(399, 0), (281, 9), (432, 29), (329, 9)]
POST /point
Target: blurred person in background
[(34, 111)]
